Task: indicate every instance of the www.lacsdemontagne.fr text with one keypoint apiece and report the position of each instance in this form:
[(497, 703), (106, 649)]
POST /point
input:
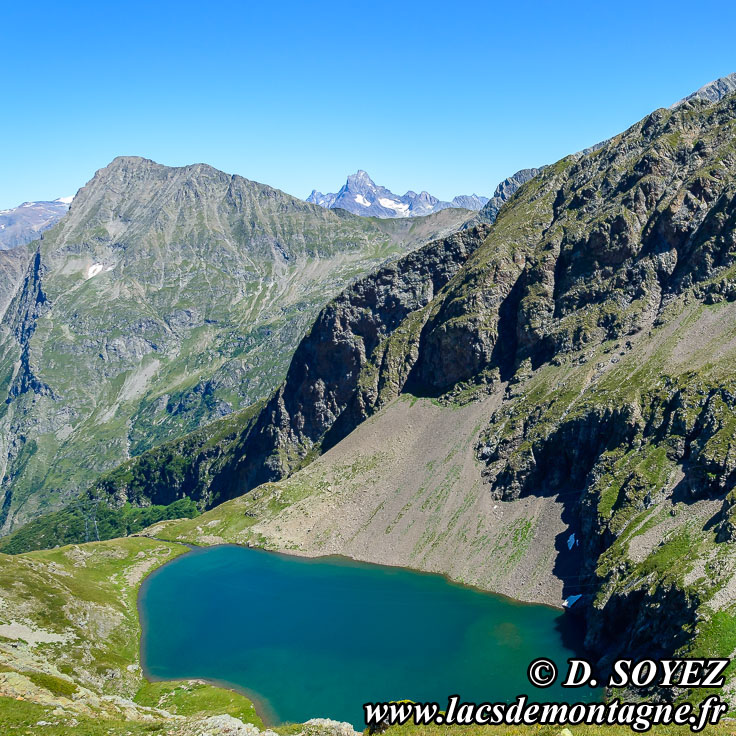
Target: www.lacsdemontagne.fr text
[(639, 716)]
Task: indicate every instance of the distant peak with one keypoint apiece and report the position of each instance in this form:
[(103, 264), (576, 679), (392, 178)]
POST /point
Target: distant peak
[(713, 91), (126, 160), (64, 200), (360, 177), (362, 196)]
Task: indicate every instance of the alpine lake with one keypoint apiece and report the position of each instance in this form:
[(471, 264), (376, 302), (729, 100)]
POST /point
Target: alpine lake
[(308, 638)]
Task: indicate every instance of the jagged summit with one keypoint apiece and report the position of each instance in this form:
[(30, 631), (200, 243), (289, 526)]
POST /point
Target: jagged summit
[(361, 177), (362, 196)]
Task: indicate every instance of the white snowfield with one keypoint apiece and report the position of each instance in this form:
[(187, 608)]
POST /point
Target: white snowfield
[(94, 269), (64, 200), (398, 206), (361, 200)]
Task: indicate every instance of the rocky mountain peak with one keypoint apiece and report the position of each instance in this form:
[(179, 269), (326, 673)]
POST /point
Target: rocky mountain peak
[(362, 196), (360, 178)]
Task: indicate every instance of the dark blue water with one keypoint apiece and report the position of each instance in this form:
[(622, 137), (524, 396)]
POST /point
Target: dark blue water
[(318, 638)]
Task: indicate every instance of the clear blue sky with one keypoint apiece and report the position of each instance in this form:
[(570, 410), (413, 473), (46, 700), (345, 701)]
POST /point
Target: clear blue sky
[(449, 97)]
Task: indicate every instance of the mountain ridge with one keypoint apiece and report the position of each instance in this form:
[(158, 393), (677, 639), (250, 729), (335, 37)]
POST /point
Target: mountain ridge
[(168, 296), (22, 224), (362, 196), (712, 91)]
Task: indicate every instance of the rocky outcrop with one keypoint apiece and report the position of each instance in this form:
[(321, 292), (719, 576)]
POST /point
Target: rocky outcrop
[(644, 622), (614, 461)]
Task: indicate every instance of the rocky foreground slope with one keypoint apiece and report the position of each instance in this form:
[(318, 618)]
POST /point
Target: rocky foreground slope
[(166, 298)]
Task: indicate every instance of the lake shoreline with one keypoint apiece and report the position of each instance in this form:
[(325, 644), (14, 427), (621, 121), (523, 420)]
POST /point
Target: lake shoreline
[(262, 703), (308, 555), (262, 706)]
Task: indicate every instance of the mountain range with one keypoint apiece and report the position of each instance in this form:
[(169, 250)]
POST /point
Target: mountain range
[(22, 224), (563, 374), (362, 196), (167, 297), (538, 399)]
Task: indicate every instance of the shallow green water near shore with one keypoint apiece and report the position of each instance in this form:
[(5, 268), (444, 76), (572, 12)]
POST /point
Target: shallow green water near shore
[(318, 638)]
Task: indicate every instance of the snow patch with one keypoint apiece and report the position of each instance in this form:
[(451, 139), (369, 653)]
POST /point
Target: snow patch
[(93, 270), (570, 601), (64, 200), (361, 200), (396, 206)]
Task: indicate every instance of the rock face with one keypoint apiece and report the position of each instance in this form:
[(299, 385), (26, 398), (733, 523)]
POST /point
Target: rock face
[(167, 297), (22, 224), (361, 196)]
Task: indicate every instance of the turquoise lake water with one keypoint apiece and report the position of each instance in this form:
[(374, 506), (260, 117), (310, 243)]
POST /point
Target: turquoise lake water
[(318, 638)]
